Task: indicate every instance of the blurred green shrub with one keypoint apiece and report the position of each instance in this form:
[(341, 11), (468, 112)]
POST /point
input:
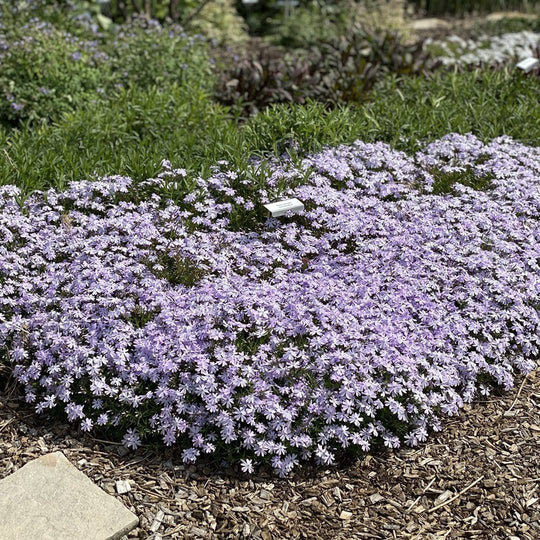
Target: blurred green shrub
[(308, 25), (145, 53), (462, 7), (47, 71), (318, 21), (301, 23), (506, 25), (218, 20)]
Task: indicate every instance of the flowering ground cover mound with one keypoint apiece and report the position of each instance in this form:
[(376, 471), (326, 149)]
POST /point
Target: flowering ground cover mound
[(407, 286)]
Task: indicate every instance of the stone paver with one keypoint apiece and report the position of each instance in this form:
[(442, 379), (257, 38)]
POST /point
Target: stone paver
[(50, 499)]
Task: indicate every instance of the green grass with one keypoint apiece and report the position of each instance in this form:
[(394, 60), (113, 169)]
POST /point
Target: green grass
[(444, 182), (436, 8), (508, 25), (134, 132), (129, 136)]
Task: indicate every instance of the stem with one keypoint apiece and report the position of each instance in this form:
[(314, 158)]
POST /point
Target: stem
[(136, 6), (173, 10)]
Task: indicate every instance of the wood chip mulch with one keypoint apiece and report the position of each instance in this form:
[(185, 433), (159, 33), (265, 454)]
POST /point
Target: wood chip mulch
[(478, 478)]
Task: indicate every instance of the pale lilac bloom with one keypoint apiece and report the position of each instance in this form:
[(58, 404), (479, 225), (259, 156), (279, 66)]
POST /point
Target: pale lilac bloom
[(364, 320)]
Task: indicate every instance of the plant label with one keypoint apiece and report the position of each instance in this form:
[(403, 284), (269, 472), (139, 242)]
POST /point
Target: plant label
[(280, 208), (528, 64)]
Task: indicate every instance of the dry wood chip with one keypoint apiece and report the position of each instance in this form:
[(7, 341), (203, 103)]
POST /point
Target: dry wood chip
[(376, 498), (425, 493), (122, 486), (156, 524), (445, 495)]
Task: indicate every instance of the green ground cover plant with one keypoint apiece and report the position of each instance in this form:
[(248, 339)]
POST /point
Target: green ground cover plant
[(134, 132), (392, 300)]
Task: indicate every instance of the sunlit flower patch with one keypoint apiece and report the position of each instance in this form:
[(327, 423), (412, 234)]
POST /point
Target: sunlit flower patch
[(512, 46), (400, 293)]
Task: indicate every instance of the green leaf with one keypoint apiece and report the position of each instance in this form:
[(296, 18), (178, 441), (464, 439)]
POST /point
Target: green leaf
[(103, 21)]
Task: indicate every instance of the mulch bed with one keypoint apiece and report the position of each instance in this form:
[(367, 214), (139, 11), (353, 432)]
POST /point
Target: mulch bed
[(478, 478)]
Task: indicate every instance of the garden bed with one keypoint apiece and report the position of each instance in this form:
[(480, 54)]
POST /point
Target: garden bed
[(407, 287), (157, 326)]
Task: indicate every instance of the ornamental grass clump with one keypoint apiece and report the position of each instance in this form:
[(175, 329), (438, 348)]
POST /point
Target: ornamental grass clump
[(363, 321)]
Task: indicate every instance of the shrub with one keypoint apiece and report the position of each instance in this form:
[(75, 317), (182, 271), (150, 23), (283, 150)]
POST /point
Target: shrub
[(215, 19), (309, 24), (219, 21), (508, 25), (203, 323), (47, 71), (465, 7), (260, 75), (145, 53), (314, 20), (341, 70), (350, 65)]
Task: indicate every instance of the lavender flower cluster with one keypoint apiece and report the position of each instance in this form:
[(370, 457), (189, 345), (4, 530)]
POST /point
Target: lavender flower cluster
[(365, 320)]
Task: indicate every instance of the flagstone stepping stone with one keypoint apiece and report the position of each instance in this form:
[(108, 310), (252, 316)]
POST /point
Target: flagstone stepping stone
[(51, 499), (500, 15), (428, 24)]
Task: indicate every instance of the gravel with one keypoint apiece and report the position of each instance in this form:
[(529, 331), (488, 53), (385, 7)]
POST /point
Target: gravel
[(478, 478)]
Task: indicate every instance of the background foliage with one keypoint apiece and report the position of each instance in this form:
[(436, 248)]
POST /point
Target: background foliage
[(80, 96), (462, 7)]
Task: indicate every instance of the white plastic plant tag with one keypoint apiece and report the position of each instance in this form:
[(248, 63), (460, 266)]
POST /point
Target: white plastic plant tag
[(528, 64), (280, 208)]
